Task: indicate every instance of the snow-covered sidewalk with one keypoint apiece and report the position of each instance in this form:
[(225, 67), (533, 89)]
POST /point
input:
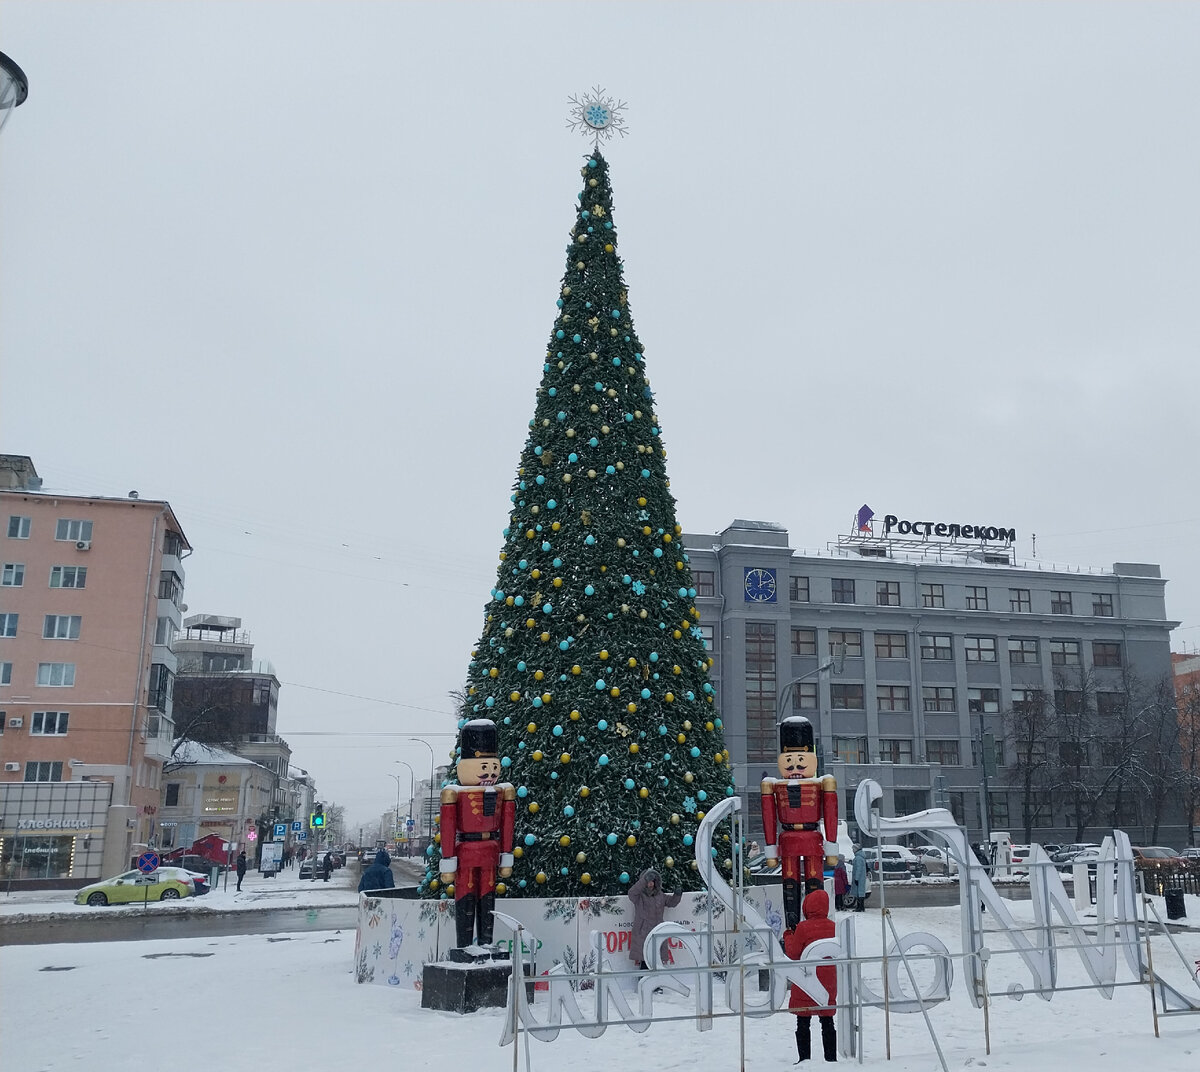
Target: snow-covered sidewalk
[(99, 1005)]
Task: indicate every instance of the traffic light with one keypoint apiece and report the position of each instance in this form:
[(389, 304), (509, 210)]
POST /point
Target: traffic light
[(317, 819)]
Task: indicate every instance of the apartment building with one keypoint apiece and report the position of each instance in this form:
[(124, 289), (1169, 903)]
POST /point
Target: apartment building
[(911, 655), (91, 591)]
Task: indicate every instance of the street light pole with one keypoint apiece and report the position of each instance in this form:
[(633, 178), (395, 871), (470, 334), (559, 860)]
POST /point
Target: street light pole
[(432, 764), (396, 813), (412, 785)]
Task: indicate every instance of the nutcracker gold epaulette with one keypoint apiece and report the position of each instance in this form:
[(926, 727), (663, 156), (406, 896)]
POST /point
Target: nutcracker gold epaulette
[(829, 783), (768, 785), (510, 791), (449, 794)]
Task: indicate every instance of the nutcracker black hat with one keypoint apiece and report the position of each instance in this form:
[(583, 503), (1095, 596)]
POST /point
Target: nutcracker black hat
[(796, 735), (478, 739)]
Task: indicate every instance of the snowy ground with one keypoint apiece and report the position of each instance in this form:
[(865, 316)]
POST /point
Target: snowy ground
[(253, 1002)]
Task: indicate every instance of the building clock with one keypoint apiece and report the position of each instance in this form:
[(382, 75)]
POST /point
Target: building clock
[(760, 585)]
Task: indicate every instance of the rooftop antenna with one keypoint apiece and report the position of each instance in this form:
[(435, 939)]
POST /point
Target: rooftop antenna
[(1035, 545)]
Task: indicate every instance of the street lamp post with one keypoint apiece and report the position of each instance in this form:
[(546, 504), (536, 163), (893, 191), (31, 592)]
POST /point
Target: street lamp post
[(834, 663), (412, 785), (396, 813), (432, 764)]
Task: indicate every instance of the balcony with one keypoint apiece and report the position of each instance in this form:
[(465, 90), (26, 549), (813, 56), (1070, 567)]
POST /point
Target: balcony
[(159, 732)]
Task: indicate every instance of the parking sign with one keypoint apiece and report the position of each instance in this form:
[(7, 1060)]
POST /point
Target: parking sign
[(302, 836), (297, 826), (281, 829)]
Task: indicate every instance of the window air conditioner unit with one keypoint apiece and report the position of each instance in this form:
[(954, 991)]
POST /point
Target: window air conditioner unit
[(16, 723), (12, 766), (83, 545)]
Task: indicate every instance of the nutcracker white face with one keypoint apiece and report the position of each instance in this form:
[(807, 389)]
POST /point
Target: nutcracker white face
[(798, 764), (484, 771)]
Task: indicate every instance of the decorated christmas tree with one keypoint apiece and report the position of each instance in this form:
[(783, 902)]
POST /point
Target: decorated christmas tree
[(591, 662)]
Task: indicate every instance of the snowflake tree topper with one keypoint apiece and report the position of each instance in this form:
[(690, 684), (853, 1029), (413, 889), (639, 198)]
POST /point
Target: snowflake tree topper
[(597, 116)]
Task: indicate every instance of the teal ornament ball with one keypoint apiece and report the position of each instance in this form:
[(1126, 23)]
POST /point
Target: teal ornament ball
[(530, 839), (603, 761), (629, 783), (568, 811), (687, 839), (694, 753), (522, 792), (611, 839), (602, 724), (624, 876), (589, 590)]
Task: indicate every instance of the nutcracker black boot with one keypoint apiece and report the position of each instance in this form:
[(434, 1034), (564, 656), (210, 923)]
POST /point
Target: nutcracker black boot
[(791, 902), (487, 904), (464, 918)]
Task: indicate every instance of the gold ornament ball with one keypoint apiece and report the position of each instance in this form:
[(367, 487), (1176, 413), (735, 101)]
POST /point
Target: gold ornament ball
[(669, 697), (633, 749), (677, 634), (581, 857), (532, 727), (632, 662), (608, 247), (643, 792), (585, 878), (642, 500), (584, 791), (593, 182), (632, 709), (540, 877), (719, 758), (565, 757), (694, 867), (675, 669), (687, 723), (620, 541), (534, 807), (631, 841), (576, 669), (669, 861), (579, 265), (514, 696), (689, 777), (538, 675), (699, 816), (518, 851), (438, 836), (537, 755), (709, 726), (501, 888), (604, 654), (574, 716), (642, 613), (675, 819), (564, 841), (592, 474), (680, 739), (535, 574), (557, 582), (546, 697), (544, 637), (529, 623), (493, 672)]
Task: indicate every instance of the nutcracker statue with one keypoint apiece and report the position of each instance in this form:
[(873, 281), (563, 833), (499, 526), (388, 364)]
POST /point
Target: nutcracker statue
[(477, 831), (794, 807)]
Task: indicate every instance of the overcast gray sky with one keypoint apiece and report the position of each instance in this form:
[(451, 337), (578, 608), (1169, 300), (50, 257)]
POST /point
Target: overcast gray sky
[(293, 268)]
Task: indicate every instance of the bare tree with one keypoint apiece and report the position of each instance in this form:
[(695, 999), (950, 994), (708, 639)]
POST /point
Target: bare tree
[(1189, 746), (210, 711), (1027, 724), (1158, 760)]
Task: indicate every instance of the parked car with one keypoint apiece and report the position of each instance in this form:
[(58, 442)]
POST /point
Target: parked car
[(165, 884), (1192, 853), (200, 884), (1156, 856), (898, 862), (937, 861), (200, 864), (1083, 856), (1065, 854)]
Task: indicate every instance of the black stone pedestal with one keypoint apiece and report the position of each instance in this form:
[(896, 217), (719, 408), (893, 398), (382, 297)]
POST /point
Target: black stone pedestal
[(464, 988)]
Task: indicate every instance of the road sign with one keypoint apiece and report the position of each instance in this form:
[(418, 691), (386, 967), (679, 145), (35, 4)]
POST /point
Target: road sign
[(297, 826), (281, 829), (145, 880), (302, 836), (409, 822), (147, 862)]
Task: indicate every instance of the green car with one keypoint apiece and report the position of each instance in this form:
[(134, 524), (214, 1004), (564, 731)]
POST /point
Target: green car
[(133, 887)]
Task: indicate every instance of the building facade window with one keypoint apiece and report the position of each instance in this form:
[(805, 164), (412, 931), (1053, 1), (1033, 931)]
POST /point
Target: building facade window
[(846, 642), (1064, 653), (944, 752), (895, 750), (1021, 650), (162, 686), (170, 587), (705, 582), (1073, 754), (18, 527), (68, 576), (5, 673), (798, 589), (887, 593), (933, 595), (893, 697), (49, 723), (1102, 604), (804, 642), (980, 649), (891, 645), (59, 675), (1068, 701), (937, 698), (1025, 701), (61, 627), (1106, 652), (172, 798), (73, 529), (1019, 601), (8, 625), (843, 590), (998, 806), (936, 647), (850, 749), (761, 734), (976, 597), (1110, 704), (13, 575), (36, 771), (805, 696), (844, 697), (997, 751), (1060, 603), (983, 701), (165, 632)]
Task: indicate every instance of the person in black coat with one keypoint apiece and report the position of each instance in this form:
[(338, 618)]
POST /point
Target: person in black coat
[(327, 865), (379, 875), (241, 869)]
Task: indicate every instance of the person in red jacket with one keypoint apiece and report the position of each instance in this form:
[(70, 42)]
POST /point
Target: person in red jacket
[(815, 925)]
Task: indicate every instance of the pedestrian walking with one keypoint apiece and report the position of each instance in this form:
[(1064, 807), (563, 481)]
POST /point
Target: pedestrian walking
[(241, 869), (649, 906), (327, 865), (858, 880), (815, 925), (379, 875), (841, 884)]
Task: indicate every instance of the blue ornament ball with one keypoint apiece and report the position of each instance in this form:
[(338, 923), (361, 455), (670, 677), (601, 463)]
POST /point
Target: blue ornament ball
[(603, 761), (629, 783), (568, 811), (589, 591), (645, 695), (611, 839), (624, 876), (694, 753), (687, 839), (522, 792), (530, 839)]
